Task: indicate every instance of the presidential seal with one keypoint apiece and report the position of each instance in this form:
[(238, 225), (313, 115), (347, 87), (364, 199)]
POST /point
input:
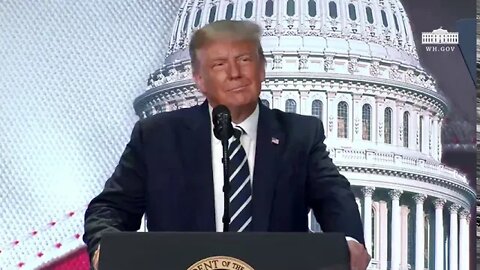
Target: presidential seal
[(220, 263)]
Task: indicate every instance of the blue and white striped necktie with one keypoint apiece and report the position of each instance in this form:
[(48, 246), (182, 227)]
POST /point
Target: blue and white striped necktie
[(240, 185)]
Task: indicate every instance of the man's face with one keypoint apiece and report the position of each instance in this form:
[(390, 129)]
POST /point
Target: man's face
[(230, 72)]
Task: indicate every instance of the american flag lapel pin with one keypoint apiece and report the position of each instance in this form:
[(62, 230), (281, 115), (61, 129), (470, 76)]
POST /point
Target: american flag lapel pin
[(275, 140)]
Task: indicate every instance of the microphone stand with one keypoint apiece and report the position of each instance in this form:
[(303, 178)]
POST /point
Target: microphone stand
[(223, 130), (226, 186)]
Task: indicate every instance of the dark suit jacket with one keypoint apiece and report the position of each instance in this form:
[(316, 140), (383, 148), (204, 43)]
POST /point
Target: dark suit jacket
[(166, 171)]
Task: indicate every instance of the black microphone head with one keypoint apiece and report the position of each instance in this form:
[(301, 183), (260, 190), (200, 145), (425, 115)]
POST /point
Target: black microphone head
[(222, 122)]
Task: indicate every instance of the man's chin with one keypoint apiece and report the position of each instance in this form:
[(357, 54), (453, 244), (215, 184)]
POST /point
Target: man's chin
[(243, 103), (236, 101)]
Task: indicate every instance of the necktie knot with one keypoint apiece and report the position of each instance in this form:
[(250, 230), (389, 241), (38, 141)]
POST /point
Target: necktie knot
[(238, 131)]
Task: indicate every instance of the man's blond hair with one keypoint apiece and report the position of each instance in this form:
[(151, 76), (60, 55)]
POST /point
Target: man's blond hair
[(225, 29)]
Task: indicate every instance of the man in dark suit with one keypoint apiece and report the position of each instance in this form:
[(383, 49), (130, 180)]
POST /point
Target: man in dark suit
[(171, 169)]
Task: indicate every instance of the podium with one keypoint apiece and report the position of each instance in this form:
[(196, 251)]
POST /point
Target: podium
[(223, 251)]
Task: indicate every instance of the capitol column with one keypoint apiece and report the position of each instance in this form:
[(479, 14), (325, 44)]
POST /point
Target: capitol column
[(409, 38), (453, 236), (276, 97), (414, 129), (383, 237), (395, 225), (303, 101), (439, 139), (464, 256), (421, 134), (331, 114), (357, 118), (397, 124), (380, 119), (405, 211), (173, 37), (205, 13), (439, 244), (434, 138), (427, 134), (401, 25), (419, 231), (367, 217)]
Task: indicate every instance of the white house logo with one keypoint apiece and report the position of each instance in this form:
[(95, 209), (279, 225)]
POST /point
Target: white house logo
[(440, 37)]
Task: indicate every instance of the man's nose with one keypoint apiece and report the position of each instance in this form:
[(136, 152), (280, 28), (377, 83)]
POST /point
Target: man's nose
[(234, 70)]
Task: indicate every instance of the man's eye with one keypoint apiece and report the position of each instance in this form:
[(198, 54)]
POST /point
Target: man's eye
[(218, 65)]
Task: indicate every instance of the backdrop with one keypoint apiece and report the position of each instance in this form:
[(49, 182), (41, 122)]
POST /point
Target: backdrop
[(69, 72)]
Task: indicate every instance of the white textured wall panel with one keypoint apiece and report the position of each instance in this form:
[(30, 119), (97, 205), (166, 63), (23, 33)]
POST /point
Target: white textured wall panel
[(69, 72)]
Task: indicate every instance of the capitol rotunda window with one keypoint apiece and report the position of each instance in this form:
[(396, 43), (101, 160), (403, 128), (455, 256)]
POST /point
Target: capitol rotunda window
[(366, 122), (384, 18), (406, 116), (229, 14), (290, 7), (317, 108), (420, 131), (332, 8), (312, 8), (369, 12), (198, 17), (352, 13), (248, 9), (395, 20), (342, 119), (213, 12), (185, 23), (290, 106), (388, 125), (269, 8)]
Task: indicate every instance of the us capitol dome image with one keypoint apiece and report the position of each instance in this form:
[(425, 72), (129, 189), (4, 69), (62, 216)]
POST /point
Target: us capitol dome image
[(353, 65)]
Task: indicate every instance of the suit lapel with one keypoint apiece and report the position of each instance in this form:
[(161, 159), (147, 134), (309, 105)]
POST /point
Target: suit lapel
[(270, 142), (198, 168)]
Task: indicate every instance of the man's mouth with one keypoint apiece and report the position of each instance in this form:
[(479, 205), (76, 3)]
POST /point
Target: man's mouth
[(237, 88)]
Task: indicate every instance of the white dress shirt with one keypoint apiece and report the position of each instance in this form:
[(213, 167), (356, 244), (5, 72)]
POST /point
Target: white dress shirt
[(249, 142)]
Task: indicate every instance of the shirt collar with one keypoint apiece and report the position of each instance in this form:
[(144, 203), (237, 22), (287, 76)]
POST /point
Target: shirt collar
[(249, 124)]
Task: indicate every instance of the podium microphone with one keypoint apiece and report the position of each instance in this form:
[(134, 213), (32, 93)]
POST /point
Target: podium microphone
[(223, 130)]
